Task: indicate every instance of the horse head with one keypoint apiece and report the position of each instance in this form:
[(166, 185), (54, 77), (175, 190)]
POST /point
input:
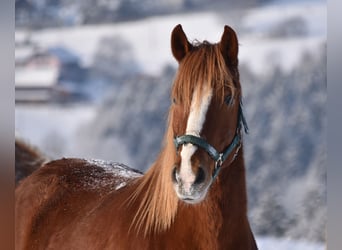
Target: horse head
[(206, 114)]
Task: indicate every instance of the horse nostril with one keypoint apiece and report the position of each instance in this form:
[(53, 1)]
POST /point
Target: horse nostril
[(200, 176)]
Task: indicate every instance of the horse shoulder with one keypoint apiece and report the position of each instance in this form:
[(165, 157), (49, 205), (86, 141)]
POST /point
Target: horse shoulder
[(33, 196)]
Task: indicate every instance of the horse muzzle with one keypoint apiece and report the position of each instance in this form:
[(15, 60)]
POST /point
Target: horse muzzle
[(191, 189)]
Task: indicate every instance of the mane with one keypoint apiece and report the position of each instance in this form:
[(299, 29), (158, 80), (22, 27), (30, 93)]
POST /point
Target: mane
[(204, 65), (158, 204)]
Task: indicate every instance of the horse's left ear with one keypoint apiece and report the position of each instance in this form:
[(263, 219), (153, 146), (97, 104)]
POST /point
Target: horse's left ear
[(229, 46), (179, 43)]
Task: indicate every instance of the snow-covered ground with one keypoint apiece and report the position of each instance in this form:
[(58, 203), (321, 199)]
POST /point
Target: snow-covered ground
[(150, 38), (41, 124), (270, 243)]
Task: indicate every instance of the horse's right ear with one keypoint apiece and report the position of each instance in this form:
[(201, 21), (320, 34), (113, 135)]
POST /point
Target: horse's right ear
[(229, 46), (179, 43)]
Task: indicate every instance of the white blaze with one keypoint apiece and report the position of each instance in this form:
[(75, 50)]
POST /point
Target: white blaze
[(196, 119)]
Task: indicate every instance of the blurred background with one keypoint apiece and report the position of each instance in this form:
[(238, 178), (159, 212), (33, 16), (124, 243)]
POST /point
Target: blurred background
[(93, 79)]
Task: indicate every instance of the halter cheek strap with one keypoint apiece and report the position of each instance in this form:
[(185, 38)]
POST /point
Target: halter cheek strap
[(218, 157)]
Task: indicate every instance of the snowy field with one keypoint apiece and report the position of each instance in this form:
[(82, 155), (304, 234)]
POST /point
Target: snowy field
[(269, 243), (41, 124), (150, 38)]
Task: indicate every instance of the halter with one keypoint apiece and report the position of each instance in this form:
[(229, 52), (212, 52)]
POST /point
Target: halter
[(219, 158)]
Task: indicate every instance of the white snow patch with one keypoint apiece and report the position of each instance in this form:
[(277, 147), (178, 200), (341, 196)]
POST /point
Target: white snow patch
[(114, 177), (271, 243), (121, 185), (36, 77), (115, 168)]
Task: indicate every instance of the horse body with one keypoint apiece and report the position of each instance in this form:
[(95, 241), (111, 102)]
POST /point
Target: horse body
[(178, 203), (89, 211)]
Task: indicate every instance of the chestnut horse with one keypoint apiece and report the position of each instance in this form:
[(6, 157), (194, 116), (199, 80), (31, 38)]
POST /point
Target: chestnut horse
[(192, 197)]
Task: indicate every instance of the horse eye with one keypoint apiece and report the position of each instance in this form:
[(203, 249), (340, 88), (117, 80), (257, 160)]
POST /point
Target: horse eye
[(228, 100), (174, 100)]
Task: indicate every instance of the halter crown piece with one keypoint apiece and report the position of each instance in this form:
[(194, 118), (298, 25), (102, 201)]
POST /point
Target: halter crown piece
[(219, 158)]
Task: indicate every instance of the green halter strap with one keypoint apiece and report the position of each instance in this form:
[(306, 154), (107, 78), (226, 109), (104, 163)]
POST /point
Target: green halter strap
[(218, 157)]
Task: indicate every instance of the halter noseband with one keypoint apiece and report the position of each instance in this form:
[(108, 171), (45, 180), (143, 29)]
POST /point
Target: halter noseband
[(219, 158)]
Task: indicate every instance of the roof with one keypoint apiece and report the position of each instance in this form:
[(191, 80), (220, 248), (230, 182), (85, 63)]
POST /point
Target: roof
[(23, 53), (36, 77)]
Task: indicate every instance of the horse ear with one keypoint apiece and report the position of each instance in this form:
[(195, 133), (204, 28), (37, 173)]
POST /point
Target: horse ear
[(229, 46), (179, 43)]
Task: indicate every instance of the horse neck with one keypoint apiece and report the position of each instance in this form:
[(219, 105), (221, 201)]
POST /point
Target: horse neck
[(232, 201), (231, 184)]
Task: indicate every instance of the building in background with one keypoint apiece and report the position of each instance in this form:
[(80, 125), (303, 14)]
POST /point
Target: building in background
[(46, 75)]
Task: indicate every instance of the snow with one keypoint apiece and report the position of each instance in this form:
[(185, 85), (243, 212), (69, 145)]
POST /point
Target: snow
[(37, 77), (114, 168), (267, 53), (120, 175), (270, 243), (42, 124), (121, 185), (23, 53), (21, 37), (261, 19), (257, 49), (150, 37)]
